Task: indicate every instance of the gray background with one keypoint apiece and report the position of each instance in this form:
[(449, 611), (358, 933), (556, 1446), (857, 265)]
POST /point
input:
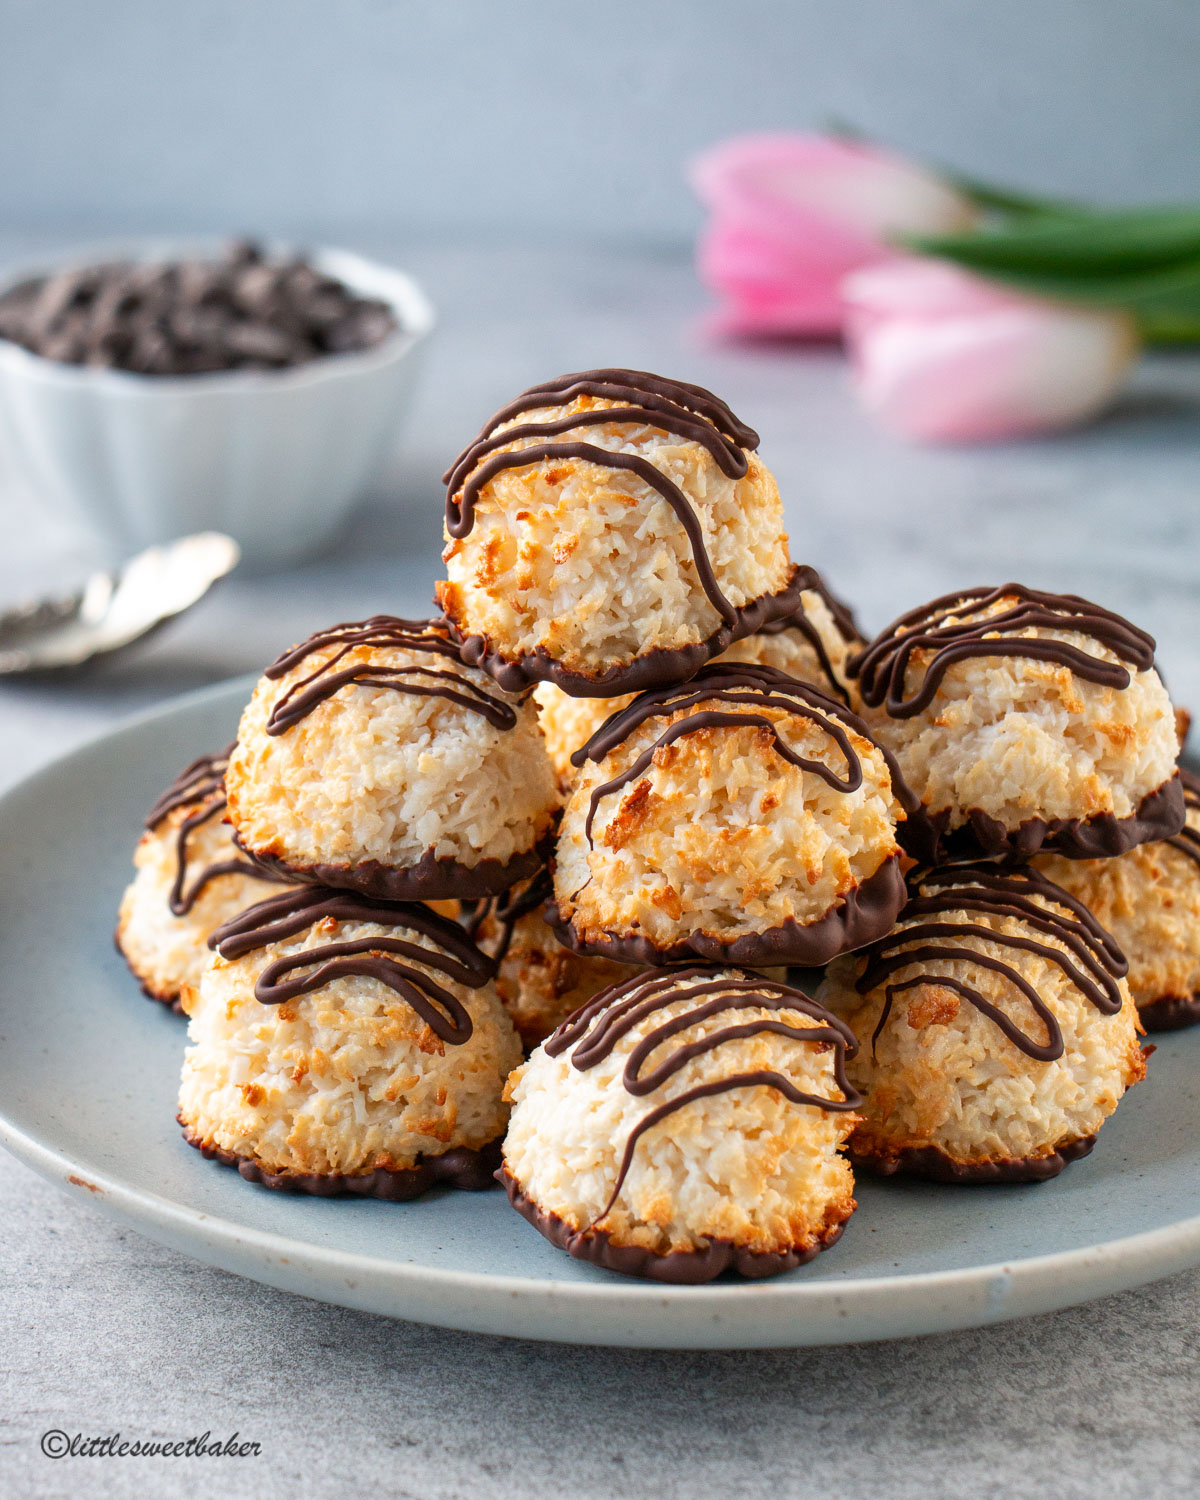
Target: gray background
[(547, 119), (523, 160)]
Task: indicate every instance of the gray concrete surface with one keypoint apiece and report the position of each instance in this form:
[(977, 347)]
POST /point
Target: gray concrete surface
[(102, 1330), (107, 1332)]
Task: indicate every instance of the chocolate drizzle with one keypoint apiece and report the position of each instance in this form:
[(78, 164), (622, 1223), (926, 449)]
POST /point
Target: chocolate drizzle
[(642, 400), (743, 686), (596, 1028), (376, 957), (202, 787), (1187, 840), (882, 668), (1092, 961), (506, 910), (386, 633), (811, 581)]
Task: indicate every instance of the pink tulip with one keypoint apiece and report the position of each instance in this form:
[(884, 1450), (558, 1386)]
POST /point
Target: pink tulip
[(943, 356), (792, 214)]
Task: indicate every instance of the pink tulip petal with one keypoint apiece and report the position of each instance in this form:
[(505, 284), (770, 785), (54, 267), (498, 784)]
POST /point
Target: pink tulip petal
[(766, 179), (792, 214), (942, 356), (766, 286)]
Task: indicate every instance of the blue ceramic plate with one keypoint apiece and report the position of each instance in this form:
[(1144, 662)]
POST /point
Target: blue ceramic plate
[(88, 1072)]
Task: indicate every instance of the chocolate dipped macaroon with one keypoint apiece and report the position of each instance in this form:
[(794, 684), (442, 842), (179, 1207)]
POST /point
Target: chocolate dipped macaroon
[(811, 644), (190, 877), (539, 982), (341, 1044), (1149, 899), (1024, 720), (741, 817), (997, 1032), (686, 1122), (609, 531), (370, 757)]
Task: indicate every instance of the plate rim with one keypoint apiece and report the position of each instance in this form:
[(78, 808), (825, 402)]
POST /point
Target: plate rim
[(631, 1313)]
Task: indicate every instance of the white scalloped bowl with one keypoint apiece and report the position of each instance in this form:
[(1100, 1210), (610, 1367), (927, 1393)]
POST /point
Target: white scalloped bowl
[(276, 459)]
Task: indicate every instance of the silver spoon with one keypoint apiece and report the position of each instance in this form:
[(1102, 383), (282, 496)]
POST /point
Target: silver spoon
[(112, 610)]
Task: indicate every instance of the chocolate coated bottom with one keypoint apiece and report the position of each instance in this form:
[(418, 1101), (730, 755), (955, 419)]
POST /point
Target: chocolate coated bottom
[(860, 916), (933, 1164), (1171, 1012), (1159, 815), (659, 667), (459, 1168), (680, 1267), (430, 879)]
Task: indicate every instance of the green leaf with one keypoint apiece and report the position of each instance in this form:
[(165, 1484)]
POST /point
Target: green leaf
[(1080, 243), (1165, 303), (1145, 261), (1167, 329)]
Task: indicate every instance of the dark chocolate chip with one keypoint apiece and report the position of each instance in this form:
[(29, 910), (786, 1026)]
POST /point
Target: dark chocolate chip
[(245, 311)]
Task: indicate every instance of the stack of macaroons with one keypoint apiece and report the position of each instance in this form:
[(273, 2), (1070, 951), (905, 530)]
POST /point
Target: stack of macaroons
[(346, 1037), (643, 765), (998, 1027)]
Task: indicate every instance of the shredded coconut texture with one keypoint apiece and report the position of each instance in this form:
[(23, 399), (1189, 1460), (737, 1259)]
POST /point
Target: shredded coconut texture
[(592, 565), (164, 951), (943, 1074), (372, 774), (569, 722), (347, 1079), (720, 835), (540, 982), (1149, 899), (746, 1166), (1019, 738)]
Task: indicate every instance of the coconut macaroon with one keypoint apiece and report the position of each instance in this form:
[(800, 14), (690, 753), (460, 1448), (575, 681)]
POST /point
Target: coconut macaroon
[(609, 531), (997, 1030), (539, 981), (190, 878), (686, 1122), (347, 1045), (811, 644), (1024, 720), (1149, 899), (740, 817), (371, 757)]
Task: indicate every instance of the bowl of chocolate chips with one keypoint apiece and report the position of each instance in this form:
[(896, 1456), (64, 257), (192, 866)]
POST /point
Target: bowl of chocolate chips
[(165, 389)]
